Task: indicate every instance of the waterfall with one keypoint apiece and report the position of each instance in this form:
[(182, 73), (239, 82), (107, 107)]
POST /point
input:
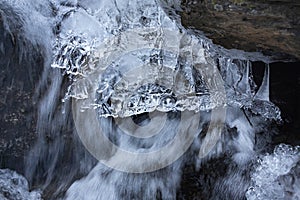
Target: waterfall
[(128, 97)]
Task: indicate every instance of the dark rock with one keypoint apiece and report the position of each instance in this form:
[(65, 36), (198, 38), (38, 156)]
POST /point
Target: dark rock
[(19, 75), (269, 26)]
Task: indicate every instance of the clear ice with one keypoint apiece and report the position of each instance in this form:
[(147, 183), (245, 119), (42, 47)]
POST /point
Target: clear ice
[(276, 175), (143, 40)]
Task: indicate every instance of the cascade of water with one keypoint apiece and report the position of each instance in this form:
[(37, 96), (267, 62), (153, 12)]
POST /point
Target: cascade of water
[(114, 92), (32, 25), (136, 74)]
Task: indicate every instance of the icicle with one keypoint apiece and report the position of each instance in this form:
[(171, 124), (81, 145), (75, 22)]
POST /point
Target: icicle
[(263, 91), (244, 83), (248, 90)]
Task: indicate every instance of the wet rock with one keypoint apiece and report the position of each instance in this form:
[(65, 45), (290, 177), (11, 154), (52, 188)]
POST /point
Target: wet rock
[(15, 187), (18, 77), (269, 26)]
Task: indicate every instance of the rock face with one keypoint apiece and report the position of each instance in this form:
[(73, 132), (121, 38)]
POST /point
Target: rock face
[(268, 26), (18, 76)]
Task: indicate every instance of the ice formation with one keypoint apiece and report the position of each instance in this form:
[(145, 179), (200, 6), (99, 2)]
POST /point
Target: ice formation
[(276, 175), (178, 67), (126, 59)]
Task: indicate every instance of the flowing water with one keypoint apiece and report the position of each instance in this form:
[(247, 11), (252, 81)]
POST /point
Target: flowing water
[(146, 97)]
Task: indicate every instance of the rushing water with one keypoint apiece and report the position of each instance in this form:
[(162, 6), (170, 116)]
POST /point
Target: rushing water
[(128, 71)]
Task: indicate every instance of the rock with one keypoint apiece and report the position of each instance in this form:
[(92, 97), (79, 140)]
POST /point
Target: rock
[(18, 78), (270, 26), (15, 187)]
